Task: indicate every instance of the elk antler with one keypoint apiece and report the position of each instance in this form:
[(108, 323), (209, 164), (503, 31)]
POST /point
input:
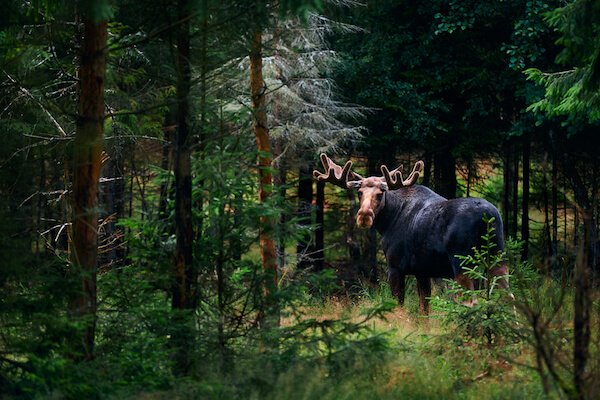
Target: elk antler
[(394, 178), (336, 174)]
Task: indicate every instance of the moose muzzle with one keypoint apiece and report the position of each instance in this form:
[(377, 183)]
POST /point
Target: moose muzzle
[(364, 218)]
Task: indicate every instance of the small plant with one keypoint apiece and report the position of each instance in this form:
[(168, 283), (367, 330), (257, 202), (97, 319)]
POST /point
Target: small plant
[(485, 314)]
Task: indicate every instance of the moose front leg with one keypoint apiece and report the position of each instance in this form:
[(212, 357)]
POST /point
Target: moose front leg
[(424, 290), (397, 283)]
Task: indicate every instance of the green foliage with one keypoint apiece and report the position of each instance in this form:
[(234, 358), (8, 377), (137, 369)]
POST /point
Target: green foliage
[(573, 91), (482, 315)]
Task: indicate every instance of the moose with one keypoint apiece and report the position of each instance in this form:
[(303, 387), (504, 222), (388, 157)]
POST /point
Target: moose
[(422, 232)]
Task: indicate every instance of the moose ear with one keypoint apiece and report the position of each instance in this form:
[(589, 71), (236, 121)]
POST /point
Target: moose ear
[(354, 184), (383, 186)]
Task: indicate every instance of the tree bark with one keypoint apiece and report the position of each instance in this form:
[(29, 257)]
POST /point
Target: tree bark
[(184, 274), (444, 173), (261, 132), (583, 267), (506, 192), (515, 191), (554, 208), (87, 163), (525, 201), (166, 163), (547, 234), (320, 231), (182, 169), (304, 212), (427, 171)]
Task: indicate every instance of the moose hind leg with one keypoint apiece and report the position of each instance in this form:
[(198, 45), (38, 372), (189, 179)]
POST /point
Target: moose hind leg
[(397, 283), (424, 290), (501, 271)]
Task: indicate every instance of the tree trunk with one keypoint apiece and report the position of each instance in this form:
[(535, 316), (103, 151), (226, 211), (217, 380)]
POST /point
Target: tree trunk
[(444, 173), (166, 163), (554, 209), (184, 276), (87, 162), (304, 212), (469, 173), (506, 192), (582, 307), (280, 183), (261, 132), (547, 234), (427, 171), (515, 191), (525, 202), (320, 232), (583, 267)]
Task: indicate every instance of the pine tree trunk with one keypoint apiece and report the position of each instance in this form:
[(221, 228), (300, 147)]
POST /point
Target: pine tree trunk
[(444, 173), (87, 163), (320, 232), (469, 171), (184, 276), (304, 213), (280, 182), (261, 132), (182, 169), (515, 191), (584, 267), (427, 171), (546, 199), (166, 163), (525, 203), (554, 209), (506, 192)]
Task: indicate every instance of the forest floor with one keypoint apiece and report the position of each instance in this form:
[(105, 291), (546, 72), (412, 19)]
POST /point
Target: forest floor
[(424, 361), (423, 358)]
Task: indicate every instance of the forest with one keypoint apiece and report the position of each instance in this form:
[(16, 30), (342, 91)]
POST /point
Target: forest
[(185, 214)]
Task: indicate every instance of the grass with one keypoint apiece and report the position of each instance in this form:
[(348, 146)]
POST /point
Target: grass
[(421, 363)]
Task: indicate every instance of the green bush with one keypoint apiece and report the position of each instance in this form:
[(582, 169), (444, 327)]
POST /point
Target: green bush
[(484, 315)]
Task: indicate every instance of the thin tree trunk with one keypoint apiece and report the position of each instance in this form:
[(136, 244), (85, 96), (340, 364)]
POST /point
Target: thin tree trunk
[(468, 194), (583, 268), (203, 132), (261, 132), (427, 171), (506, 192), (320, 232), (444, 173), (166, 162), (547, 234), (182, 296), (39, 206), (280, 182), (525, 202), (554, 209), (87, 162), (515, 191), (304, 212), (582, 307)]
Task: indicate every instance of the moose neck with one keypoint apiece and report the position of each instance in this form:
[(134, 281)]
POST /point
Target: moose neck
[(401, 202)]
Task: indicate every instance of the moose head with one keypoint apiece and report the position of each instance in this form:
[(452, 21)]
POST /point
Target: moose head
[(371, 190)]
